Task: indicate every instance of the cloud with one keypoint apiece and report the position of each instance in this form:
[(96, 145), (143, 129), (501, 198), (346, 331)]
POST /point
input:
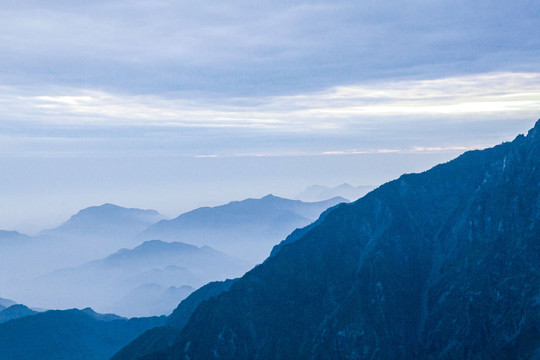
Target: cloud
[(240, 48), (446, 114), (335, 108)]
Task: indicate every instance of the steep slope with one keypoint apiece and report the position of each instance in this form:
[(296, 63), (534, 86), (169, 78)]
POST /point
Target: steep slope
[(164, 336), (69, 334), (150, 279), (245, 229), (439, 265), (15, 312)]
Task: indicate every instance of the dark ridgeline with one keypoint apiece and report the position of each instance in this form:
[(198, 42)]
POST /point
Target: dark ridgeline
[(162, 337), (69, 334), (439, 265), (15, 312)]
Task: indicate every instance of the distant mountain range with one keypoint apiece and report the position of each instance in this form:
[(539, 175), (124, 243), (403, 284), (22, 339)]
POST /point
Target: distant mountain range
[(69, 334), (150, 279), (92, 233), (347, 191), (246, 229), (107, 226), (438, 265)]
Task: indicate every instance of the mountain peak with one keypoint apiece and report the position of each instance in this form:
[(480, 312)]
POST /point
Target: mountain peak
[(14, 312), (432, 265), (535, 131), (271, 197), (107, 220)]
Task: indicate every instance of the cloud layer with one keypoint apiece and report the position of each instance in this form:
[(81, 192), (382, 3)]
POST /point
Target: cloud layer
[(241, 48)]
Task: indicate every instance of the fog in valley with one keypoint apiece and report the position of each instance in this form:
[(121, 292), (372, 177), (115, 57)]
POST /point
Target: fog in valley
[(135, 262)]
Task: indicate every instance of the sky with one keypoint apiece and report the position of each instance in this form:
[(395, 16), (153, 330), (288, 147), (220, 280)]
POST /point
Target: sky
[(172, 105)]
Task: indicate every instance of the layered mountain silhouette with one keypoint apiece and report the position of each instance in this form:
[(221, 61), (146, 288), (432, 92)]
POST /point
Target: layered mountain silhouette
[(162, 337), (12, 238), (92, 233), (439, 265), (46, 269), (106, 220), (246, 229), (70, 334), (5, 303), (105, 224), (347, 191), (150, 279), (14, 312)]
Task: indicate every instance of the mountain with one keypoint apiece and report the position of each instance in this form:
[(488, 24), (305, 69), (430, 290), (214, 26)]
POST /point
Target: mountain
[(90, 234), (15, 312), (107, 220), (12, 238), (319, 192), (439, 265), (153, 299), (150, 279), (164, 336), (245, 229), (69, 334), (5, 303)]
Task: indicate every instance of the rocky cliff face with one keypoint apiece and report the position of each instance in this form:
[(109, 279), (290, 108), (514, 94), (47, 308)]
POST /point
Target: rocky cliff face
[(439, 265)]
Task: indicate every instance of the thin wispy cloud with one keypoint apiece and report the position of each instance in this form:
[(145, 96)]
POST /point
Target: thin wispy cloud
[(506, 94)]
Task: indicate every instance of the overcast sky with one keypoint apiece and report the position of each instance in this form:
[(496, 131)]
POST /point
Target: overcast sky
[(176, 104)]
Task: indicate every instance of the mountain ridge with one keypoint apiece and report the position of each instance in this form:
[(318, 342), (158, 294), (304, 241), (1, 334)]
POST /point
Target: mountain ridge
[(168, 271), (105, 219), (70, 334), (436, 265), (246, 229)]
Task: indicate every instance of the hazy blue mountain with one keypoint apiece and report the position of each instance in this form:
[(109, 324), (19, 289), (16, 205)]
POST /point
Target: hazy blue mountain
[(12, 238), (90, 234), (319, 192), (246, 229), (69, 334), (151, 299), (162, 337), (438, 265), (14, 312), (5, 303), (107, 220), (183, 311), (150, 279)]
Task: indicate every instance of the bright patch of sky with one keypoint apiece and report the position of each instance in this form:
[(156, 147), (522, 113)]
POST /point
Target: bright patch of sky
[(98, 100)]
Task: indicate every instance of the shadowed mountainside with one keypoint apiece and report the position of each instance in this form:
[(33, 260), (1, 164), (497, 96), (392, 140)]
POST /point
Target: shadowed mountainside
[(162, 337), (69, 334), (438, 265)]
